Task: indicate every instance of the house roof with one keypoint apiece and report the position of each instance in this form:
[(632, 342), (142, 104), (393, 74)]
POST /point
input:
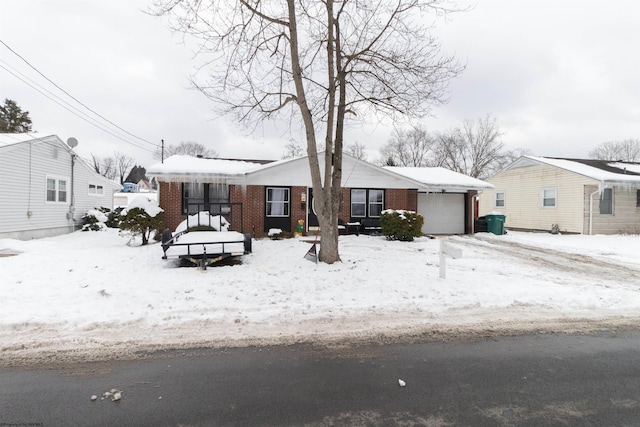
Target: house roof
[(177, 168), (13, 139), (440, 178), (181, 166), (7, 139), (607, 172)]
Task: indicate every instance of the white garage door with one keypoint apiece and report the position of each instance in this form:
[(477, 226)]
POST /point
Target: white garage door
[(443, 213)]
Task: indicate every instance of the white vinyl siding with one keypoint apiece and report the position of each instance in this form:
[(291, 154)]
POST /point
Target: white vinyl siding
[(24, 209)]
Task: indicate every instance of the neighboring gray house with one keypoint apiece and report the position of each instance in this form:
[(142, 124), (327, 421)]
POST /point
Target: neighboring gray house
[(45, 188)]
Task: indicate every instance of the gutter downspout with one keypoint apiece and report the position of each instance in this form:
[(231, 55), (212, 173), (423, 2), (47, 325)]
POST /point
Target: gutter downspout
[(591, 211)]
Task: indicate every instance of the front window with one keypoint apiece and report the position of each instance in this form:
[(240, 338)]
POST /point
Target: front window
[(56, 190), (548, 197), (606, 202), (367, 203), (278, 202), (359, 203), (376, 202), (198, 197), (499, 201)]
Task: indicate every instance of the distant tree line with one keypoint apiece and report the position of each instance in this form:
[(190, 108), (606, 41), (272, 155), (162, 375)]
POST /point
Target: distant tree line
[(473, 149), (627, 150)]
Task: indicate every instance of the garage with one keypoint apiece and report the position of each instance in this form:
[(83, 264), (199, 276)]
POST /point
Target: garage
[(443, 213)]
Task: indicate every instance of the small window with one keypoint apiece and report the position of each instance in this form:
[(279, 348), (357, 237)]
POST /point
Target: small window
[(499, 201), (277, 202), (548, 197), (637, 198), (57, 190), (95, 189), (606, 202), (51, 190)]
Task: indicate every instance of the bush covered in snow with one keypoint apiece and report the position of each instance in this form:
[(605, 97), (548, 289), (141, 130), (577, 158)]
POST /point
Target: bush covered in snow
[(401, 225), (142, 217), (94, 220)]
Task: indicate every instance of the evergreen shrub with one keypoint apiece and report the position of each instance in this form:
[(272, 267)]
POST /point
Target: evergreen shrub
[(401, 225)]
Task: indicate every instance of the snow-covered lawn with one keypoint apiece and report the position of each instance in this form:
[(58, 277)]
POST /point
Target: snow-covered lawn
[(89, 293)]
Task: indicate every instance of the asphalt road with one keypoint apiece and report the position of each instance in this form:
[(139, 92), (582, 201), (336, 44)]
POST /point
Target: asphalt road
[(522, 381)]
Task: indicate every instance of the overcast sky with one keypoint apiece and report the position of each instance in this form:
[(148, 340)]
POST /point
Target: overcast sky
[(560, 77)]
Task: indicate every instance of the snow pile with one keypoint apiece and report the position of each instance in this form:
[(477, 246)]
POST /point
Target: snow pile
[(90, 292), (218, 222), (147, 204)]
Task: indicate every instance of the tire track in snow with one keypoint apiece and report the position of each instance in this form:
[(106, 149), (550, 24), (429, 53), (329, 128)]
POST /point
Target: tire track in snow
[(544, 257)]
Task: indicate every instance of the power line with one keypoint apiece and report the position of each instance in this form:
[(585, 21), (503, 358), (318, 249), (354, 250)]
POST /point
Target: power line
[(77, 113), (78, 101)]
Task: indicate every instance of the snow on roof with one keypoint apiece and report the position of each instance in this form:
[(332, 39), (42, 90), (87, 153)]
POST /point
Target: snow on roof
[(605, 176), (189, 165), (440, 177), (7, 139)]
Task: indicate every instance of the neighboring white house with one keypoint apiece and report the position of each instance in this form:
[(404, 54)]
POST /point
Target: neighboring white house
[(568, 195), (45, 188)]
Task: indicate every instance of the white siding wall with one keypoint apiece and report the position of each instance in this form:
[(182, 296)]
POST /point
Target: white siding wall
[(355, 174), (24, 168), (523, 205)]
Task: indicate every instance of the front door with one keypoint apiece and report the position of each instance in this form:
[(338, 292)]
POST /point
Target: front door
[(312, 217)]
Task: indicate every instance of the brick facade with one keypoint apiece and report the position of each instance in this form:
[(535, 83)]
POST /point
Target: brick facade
[(253, 199)]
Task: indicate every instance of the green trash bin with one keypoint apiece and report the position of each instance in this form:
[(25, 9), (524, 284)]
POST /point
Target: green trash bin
[(495, 223)]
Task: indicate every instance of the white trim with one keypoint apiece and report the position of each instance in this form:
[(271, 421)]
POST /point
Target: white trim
[(286, 203), (57, 179), (555, 197)]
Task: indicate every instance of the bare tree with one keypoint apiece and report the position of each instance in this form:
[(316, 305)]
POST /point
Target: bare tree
[(356, 150), (321, 62), (627, 150), (411, 147), (293, 149), (105, 167), (123, 165), (187, 148), (474, 149)]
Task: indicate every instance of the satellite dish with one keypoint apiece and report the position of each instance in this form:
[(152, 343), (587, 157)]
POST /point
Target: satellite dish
[(72, 142)]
